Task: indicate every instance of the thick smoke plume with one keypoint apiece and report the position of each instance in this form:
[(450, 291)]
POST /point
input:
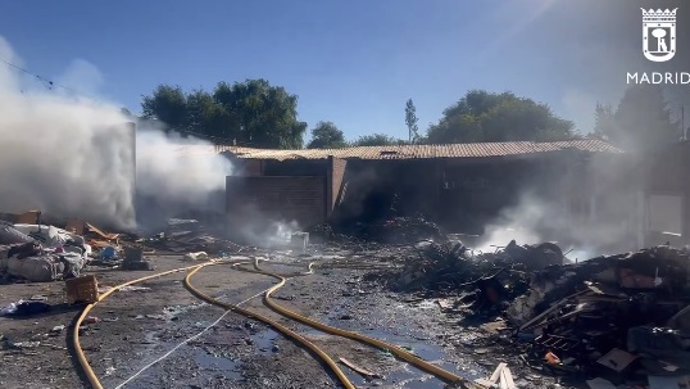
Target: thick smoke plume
[(74, 157), (176, 175)]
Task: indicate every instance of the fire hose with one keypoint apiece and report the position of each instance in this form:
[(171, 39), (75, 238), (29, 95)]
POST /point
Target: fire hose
[(327, 360), (81, 357), (397, 351), (279, 327)]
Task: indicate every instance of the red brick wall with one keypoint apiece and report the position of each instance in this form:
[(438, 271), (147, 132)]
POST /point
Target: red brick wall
[(287, 198)]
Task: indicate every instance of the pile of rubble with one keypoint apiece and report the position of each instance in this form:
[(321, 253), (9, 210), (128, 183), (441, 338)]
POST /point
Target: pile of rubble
[(188, 236), (482, 281), (393, 230), (624, 318), (41, 253), (612, 320), (35, 251)]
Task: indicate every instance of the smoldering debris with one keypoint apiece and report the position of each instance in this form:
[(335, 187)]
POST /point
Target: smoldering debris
[(393, 230), (534, 219), (612, 316), (189, 236), (483, 281), (622, 318)]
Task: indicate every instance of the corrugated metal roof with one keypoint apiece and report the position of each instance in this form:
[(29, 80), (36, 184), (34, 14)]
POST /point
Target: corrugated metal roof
[(462, 150)]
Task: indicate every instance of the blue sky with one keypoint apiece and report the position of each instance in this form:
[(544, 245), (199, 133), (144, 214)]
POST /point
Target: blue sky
[(351, 62)]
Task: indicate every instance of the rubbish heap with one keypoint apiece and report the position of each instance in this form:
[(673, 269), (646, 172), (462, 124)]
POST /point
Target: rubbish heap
[(623, 318), (614, 321), (40, 253), (482, 281)]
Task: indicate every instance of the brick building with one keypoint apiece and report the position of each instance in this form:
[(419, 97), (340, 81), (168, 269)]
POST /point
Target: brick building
[(460, 185)]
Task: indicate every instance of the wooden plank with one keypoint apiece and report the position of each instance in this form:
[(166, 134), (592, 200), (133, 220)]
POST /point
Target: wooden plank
[(507, 379), (552, 308), (359, 370), (497, 373)]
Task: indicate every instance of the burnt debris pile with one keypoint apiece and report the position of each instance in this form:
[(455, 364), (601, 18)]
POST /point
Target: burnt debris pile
[(189, 235), (393, 230), (622, 318), (36, 252), (625, 317), (482, 281)]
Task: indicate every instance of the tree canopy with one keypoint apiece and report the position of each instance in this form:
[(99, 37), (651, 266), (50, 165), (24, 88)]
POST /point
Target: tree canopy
[(641, 121), (481, 116), (377, 140), (326, 136), (251, 113)]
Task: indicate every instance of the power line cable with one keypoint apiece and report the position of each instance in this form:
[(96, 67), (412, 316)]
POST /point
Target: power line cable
[(49, 83)]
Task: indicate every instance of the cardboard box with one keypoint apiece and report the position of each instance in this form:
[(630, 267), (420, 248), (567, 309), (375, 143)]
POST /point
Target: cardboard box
[(82, 289)]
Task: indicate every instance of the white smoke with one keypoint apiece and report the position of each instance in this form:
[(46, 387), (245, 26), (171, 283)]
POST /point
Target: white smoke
[(184, 169), (535, 220), (175, 176), (74, 157)]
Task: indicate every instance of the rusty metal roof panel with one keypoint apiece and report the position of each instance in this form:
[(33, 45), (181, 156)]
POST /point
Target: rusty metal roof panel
[(461, 150)]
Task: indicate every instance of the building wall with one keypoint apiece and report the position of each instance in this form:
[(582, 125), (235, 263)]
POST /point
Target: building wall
[(279, 198), (461, 194), (665, 196)]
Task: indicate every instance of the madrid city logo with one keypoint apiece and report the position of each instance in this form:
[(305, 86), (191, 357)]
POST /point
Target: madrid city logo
[(658, 45), (659, 34)]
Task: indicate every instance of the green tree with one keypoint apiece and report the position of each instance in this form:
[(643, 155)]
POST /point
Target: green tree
[(481, 116), (251, 113), (411, 121), (377, 140), (167, 104), (264, 115), (642, 120), (326, 136)]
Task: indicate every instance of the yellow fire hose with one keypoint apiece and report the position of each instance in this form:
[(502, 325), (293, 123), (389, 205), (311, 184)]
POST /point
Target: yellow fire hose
[(395, 350), (86, 367), (279, 327)]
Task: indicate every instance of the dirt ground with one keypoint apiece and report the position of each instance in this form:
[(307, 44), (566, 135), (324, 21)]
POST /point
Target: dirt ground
[(141, 337)]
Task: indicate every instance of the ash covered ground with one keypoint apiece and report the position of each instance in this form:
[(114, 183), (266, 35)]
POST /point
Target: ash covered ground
[(527, 308)]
